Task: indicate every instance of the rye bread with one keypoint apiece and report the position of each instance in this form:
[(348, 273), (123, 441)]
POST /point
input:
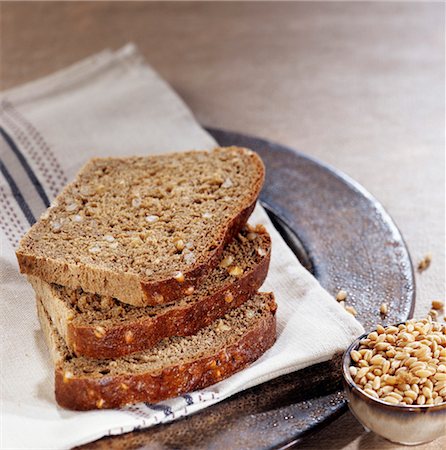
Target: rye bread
[(104, 327), (144, 229), (175, 366)]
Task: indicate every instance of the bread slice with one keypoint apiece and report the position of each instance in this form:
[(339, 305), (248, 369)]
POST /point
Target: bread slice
[(144, 229), (103, 327), (175, 366)]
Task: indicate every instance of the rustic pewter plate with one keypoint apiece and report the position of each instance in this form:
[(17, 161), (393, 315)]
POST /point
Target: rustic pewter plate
[(344, 236)]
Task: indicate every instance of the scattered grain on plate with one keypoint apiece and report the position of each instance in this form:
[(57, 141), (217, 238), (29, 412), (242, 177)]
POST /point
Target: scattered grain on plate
[(351, 309), (425, 262), (404, 364), (341, 295), (384, 309), (437, 304), (433, 314)]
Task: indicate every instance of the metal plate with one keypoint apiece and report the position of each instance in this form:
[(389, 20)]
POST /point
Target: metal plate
[(344, 236)]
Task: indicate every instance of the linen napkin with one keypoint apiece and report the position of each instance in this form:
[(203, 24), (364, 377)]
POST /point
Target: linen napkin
[(114, 104)]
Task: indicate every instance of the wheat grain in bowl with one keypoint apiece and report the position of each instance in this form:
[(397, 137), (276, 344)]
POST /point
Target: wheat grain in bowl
[(404, 364), (395, 378)]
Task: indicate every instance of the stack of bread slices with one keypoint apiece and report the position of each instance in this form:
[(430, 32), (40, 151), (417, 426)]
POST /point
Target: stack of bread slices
[(146, 276)]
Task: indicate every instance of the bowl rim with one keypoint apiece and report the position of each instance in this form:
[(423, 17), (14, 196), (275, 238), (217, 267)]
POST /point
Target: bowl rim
[(346, 362)]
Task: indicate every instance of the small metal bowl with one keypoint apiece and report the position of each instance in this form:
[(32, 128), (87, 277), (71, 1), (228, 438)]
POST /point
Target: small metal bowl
[(408, 425)]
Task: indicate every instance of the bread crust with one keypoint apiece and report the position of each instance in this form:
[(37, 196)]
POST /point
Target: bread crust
[(131, 288), (116, 391), (156, 293), (144, 333)]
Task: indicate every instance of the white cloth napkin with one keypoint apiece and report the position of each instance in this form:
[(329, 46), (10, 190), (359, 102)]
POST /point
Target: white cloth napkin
[(108, 105)]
